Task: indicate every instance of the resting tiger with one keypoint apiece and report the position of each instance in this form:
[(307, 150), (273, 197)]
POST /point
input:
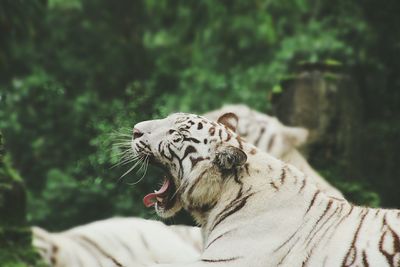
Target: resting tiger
[(256, 210), (280, 141), (128, 242)]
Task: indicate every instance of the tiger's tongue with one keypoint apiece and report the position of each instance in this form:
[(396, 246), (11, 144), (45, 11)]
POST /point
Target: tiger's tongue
[(150, 199)]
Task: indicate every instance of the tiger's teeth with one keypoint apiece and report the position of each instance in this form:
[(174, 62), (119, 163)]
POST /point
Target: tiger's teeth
[(159, 199)]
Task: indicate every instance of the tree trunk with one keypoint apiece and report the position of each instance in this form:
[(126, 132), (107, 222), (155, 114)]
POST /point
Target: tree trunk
[(328, 104)]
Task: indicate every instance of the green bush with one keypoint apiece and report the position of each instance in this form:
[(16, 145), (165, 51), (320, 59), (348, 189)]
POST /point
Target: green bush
[(87, 68)]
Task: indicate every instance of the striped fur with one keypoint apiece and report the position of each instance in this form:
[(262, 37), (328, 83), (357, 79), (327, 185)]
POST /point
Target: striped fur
[(114, 242), (256, 210), (280, 141)]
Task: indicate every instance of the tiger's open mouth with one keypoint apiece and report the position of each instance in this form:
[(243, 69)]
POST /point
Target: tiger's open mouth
[(163, 198)]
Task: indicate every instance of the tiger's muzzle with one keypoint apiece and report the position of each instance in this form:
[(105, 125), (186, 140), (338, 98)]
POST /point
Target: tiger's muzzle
[(164, 198)]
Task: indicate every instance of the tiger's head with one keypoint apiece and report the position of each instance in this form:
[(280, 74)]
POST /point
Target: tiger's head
[(195, 153)]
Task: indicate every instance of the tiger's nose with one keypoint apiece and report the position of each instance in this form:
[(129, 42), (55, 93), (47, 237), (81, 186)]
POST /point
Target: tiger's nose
[(137, 133)]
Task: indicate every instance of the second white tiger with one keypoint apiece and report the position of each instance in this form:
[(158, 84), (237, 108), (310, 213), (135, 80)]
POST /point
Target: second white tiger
[(270, 135), (118, 242)]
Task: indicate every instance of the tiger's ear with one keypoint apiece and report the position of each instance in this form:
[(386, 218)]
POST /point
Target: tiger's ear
[(296, 136), (229, 157), (230, 120)]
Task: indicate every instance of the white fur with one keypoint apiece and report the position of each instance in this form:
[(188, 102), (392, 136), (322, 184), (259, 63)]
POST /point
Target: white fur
[(286, 140), (268, 213), (129, 241)]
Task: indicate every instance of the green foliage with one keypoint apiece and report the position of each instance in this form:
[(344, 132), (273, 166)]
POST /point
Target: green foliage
[(233, 52), (25, 106), (15, 235), (88, 68), (18, 25), (16, 249)]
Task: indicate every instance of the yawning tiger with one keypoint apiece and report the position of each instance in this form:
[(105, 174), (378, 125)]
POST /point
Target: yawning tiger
[(256, 210)]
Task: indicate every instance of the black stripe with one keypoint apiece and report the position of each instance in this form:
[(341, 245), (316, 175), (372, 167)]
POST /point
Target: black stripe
[(221, 260), (259, 136), (316, 243), (314, 230), (218, 237), (194, 161), (365, 259), (188, 150), (333, 222), (246, 167), (303, 183), (274, 186), (289, 250), (237, 204), (211, 131), (340, 221), (396, 242), (174, 155), (312, 201), (271, 142), (291, 237), (295, 242), (102, 251), (191, 139), (283, 174), (159, 146), (229, 136), (239, 140), (236, 177), (353, 247)]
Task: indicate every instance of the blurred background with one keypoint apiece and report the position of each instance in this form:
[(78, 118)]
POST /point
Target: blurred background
[(75, 75)]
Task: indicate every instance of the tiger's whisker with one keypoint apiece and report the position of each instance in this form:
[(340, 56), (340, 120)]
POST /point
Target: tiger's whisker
[(125, 160), (145, 163), (177, 190), (130, 169)]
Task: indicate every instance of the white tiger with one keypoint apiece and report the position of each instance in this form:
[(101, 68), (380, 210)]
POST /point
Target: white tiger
[(256, 210), (127, 242), (280, 141)]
